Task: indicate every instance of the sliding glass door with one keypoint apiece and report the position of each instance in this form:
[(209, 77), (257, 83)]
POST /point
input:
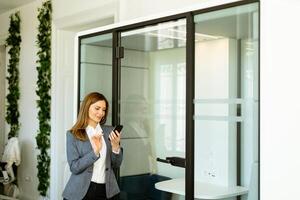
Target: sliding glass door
[(226, 101), (96, 68), (186, 90), (152, 108)]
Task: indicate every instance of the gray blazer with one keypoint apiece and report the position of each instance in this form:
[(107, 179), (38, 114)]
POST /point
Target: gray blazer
[(81, 158)]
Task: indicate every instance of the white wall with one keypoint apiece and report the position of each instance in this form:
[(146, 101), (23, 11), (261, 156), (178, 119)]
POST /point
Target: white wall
[(2, 97), (27, 172), (280, 99), (62, 106), (77, 6), (144, 8), (83, 14)]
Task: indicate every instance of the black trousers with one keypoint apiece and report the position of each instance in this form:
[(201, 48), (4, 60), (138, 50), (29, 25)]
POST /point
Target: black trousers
[(96, 191)]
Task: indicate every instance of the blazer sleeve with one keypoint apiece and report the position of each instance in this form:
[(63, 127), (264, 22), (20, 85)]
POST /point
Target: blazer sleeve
[(116, 159), (77, 162)]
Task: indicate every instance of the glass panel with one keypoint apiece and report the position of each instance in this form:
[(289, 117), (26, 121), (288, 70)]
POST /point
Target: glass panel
[(226, 101), (152, 108), (96, 67)]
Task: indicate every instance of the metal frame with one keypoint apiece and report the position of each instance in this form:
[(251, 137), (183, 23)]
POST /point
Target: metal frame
[(190, 80), (190, 96), (79, 75), (116, 67)]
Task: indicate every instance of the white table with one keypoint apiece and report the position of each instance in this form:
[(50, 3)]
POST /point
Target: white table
[(202, 190)]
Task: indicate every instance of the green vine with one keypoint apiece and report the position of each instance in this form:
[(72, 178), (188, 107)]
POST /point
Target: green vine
[(43, 91), (13, 41)]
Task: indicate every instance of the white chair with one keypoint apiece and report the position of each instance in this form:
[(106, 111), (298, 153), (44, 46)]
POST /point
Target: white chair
[(10, 157)]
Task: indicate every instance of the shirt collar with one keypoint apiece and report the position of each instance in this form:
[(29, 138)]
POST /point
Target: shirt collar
[(91, 131)]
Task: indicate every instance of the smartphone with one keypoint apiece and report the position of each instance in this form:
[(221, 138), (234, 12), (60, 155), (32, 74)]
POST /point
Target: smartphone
[(118, 128)]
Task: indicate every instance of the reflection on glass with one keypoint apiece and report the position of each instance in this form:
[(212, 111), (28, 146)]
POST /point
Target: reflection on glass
[(152, 108), (226, 98), (96, 67)]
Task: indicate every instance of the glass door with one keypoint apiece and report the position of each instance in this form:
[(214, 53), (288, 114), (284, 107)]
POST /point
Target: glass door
[(143, 73), (96, 68), (226, 102), (152, 109)]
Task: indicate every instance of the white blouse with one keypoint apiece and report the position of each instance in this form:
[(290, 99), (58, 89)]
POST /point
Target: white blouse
[(99, 165)]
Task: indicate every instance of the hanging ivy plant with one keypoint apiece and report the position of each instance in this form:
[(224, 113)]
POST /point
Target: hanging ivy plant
[(13, 42), (43, 92)]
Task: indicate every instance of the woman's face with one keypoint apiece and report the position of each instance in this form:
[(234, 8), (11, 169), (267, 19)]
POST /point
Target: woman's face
[(97, 112)]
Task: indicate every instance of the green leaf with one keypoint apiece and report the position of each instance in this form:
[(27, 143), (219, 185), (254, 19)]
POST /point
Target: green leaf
[(13, 42), (43, 92)]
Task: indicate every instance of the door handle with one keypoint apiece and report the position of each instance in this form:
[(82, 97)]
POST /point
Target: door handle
[(175, 161)]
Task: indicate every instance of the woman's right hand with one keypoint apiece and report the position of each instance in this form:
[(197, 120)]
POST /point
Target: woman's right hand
[(96, 141)]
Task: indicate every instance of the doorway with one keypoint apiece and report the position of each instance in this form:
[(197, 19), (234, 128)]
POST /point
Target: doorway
[(152, 108)]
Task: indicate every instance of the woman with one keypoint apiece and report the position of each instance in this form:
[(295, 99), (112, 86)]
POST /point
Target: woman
[(93, 149)]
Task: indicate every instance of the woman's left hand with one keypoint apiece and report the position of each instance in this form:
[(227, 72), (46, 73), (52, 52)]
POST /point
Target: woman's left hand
[(115, 138)]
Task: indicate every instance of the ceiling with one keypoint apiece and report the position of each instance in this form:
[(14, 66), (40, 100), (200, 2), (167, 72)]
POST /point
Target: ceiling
[(6, 5), (157, 38)]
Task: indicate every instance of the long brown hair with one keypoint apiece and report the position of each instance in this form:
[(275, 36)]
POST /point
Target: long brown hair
[(83, 116)]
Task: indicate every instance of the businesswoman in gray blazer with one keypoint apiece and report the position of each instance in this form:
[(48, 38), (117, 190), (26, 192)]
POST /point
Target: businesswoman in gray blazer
[(93, 150)]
